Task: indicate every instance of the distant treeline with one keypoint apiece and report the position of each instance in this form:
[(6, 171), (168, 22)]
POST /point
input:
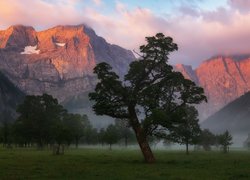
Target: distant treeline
[(44, 123)]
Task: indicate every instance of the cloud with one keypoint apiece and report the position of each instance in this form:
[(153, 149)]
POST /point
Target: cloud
[(38, 13), (241, 5), (199, 33), (97, 2), (187, 10), (221, 15)]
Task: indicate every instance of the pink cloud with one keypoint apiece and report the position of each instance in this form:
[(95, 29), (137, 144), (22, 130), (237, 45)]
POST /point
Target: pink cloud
[(199, 34), (241, 5), (38, 13), (97, 2)]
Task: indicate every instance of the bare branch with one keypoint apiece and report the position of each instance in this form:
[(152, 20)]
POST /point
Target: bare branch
[(138, 54)]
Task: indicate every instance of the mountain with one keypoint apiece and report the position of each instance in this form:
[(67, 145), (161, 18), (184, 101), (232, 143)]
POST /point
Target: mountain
[(187, 71), (224, 78), (10, 97), (58, 61), (233, 117)]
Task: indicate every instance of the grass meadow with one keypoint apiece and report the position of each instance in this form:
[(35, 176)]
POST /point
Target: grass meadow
[(97, 163)]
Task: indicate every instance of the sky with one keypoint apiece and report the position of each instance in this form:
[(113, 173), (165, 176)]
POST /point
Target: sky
[(201, 28)]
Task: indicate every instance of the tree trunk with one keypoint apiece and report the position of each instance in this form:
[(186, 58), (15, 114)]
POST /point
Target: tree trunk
[(110, 146), (76, 142), (62, 149), (58, 149), (126, 141), (141, 137), (187, 152), (225, 149), (40, 144), (143, 143)]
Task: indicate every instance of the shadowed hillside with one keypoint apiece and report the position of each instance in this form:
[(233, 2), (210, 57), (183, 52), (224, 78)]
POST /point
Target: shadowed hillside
[(10, 96), (234, 117)]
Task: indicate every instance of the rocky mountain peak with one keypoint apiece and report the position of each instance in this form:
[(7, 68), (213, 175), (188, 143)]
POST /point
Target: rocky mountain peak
[(224, 78), (17, 37), (70, 37), (187, 71), (59, 60)]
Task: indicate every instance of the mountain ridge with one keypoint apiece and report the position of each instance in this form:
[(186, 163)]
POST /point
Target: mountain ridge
[(233, 117), (59, 60), (223, 78)]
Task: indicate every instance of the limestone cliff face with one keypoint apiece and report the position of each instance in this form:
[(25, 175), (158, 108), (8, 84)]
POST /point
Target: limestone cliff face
[(187, 71), (223, 78), (58, 61), (16, 37)]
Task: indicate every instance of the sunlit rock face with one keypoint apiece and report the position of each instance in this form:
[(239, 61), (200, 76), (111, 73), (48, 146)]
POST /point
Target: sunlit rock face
[(58, 61), (17, 37), (223, 78), (187, 71)]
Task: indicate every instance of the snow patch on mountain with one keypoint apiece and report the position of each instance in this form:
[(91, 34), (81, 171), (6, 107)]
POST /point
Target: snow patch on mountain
[(31, 50), (60, 44)]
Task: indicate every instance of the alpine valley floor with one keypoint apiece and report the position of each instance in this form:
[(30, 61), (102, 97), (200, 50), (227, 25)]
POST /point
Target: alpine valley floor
[(101, 163)]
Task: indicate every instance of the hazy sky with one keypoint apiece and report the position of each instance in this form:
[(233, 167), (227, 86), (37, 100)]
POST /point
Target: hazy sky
[(201, 28)]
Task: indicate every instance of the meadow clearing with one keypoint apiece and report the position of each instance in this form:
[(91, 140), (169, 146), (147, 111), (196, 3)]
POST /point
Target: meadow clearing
[(101, 163)]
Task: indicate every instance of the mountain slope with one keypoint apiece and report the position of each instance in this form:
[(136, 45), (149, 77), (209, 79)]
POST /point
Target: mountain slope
[(233, 117), (224, 78), (58, 61), (10, 96)]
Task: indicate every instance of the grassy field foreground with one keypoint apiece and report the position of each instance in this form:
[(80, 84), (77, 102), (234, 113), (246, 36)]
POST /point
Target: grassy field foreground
[(122, 164)]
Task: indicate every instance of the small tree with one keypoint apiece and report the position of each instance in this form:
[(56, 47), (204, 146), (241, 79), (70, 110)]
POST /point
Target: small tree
[(6, 133), (6, 122), (188, 131), (40, 117), (125, 132), (167, 143), (76, 125), (207, 139), (225, 140), (101, 136), (90, 134), (153, 141), (111, 135), (246, 143)]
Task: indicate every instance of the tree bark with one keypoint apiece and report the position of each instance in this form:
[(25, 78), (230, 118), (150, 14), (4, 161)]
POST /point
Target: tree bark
[(143, 143), (141, 136)]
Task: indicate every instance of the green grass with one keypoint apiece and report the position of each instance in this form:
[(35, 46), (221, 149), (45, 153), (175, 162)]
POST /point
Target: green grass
[(122, 164)]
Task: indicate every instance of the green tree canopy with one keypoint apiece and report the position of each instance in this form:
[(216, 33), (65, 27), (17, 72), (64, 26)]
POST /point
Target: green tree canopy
[(207, 139), (188, 131), (76, 125), (111, 135), (225, 140), (149, 96), (40, 118), (125, 131)]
